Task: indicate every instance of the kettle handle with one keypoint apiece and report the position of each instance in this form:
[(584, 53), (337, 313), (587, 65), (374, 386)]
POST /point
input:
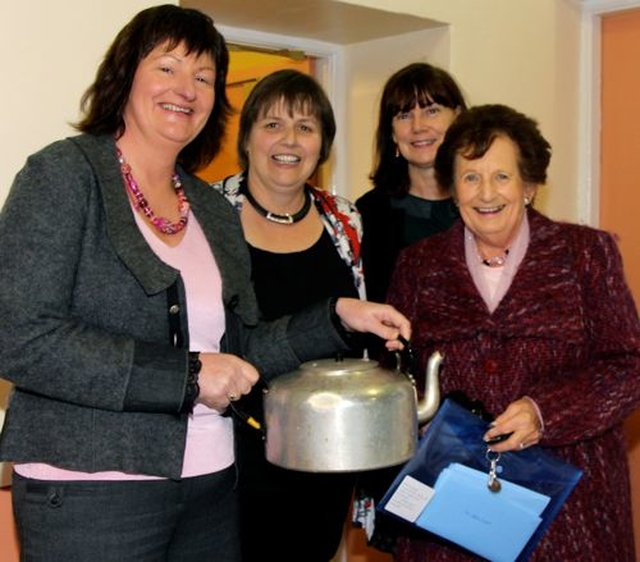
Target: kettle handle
[(406, 359)]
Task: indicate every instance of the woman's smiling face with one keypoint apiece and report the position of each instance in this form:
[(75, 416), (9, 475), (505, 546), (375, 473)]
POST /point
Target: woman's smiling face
[(419, 132), (490, 193), (284, 148), (172, 95)]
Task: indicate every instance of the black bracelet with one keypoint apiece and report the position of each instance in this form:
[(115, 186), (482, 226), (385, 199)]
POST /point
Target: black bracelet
[(192, 389)]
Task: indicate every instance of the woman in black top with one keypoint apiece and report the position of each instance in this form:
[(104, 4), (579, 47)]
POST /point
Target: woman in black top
[(419, 102), (305, 246), (406, 204)]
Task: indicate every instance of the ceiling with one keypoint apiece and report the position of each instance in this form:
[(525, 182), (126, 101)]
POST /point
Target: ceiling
[(328, 21)]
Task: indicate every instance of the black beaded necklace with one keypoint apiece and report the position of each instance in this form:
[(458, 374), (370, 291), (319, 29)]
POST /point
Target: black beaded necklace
[(275, 217)]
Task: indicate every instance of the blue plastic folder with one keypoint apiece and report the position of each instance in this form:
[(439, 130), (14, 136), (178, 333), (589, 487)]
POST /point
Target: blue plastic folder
[(443, 489)]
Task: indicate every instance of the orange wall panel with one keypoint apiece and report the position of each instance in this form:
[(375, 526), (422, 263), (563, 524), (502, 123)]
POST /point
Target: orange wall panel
[(619, 190), (8, 541), (620, 137)]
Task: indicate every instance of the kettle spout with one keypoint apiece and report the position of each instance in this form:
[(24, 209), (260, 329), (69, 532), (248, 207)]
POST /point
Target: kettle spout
[(428, 406)]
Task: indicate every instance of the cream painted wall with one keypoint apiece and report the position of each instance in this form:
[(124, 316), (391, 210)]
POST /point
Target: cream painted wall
[(367, 66), (523, 53), (51, 50)]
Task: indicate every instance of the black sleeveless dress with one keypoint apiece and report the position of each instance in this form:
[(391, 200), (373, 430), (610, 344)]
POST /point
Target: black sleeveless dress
[(315, 505)]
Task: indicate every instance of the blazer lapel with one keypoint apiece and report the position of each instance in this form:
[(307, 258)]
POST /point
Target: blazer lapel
[(152, 273)]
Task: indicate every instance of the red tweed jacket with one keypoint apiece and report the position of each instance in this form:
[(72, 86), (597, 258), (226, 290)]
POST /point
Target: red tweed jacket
[(567, 334)]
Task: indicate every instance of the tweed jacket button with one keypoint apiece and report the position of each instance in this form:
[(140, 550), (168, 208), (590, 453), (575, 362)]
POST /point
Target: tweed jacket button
[(490, 366), (54, 499), (174, 309)]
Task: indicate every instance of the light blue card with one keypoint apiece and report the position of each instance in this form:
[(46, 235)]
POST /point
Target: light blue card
[(524, 497), (496, 526)]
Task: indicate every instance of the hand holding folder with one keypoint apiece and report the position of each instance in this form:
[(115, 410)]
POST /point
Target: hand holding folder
[(443, 489)]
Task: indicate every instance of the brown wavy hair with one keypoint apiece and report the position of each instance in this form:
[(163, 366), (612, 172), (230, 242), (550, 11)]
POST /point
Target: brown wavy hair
[(104, 102), (417, 83), (297, 91)]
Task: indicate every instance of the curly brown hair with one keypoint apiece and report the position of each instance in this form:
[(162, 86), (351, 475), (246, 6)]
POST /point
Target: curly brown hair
[(473, 133)]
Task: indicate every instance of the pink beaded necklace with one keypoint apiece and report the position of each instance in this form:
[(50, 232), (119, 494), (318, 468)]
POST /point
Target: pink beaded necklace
[(162, 224)]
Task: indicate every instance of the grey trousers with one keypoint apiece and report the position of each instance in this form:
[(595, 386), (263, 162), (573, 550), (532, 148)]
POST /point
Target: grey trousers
[(191, 520)]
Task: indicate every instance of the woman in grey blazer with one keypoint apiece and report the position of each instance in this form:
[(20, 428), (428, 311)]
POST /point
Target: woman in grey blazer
[(128, 322)]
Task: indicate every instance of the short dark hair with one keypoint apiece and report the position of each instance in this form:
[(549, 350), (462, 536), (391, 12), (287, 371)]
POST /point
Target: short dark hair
[(417, 83), (473, 133), (297, 91), (104, 102)]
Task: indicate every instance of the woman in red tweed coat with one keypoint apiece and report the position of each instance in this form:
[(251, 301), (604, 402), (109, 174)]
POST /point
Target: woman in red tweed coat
[(535, 320)]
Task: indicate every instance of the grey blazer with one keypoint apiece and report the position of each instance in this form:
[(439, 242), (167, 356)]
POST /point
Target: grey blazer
[(93, 325)]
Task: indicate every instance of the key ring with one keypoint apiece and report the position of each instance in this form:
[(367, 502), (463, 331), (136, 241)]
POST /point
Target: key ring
[(493, 483)]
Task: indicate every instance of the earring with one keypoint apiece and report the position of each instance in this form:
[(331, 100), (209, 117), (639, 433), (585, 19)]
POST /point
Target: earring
[(527, 200), (397, 152)]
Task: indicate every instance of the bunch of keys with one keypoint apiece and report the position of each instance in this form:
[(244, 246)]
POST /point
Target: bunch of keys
[(493, 483)]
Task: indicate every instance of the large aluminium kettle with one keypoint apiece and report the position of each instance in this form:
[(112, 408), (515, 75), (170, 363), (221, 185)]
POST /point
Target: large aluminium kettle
[(347, 415)]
